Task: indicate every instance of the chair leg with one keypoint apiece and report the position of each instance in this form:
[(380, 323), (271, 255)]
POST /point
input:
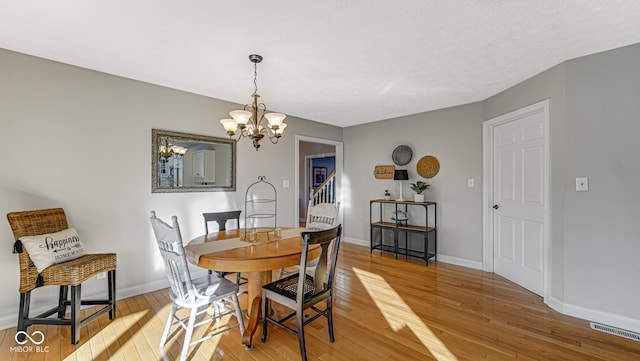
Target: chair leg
[(330, 317), (265, 314), (236, 304), (23, 313), (111, 275), (188, 333), (216, 311), (165, 333), (300, 321), (75, 313), (62, 308)]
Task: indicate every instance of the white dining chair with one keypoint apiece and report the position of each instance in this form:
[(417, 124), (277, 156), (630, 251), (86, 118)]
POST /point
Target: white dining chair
[(319, 217), (197, 294), (322, 216)]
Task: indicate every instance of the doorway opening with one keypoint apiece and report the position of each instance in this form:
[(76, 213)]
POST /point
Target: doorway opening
[(319, 172)]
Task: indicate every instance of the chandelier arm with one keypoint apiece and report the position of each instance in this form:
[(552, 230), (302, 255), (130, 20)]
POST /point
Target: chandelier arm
[(271, 138), (240, 136), (244, 133), (259, 121)]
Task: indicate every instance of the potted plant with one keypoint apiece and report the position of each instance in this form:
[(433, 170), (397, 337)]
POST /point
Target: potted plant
[(419, 187), (387, 195)]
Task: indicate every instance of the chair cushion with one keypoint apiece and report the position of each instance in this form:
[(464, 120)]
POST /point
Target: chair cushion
[(288, 286), (214, 286), (53, 248)]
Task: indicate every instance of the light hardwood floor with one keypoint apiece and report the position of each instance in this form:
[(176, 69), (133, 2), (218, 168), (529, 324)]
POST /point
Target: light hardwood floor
[(385, 309)]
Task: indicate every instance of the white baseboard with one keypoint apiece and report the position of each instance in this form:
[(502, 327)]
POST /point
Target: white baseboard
[(441, 258), (359, 242), (460, 262), (140, 289), (606, 318), (556, 304), (11, 320)]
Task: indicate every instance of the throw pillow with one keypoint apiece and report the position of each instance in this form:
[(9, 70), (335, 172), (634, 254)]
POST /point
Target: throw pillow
[(53, 248)]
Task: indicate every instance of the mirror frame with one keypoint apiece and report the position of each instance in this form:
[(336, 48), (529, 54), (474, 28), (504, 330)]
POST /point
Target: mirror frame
[(155, 136)]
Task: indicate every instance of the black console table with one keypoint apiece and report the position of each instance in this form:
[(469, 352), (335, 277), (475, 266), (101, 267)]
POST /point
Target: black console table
[(400, 226)]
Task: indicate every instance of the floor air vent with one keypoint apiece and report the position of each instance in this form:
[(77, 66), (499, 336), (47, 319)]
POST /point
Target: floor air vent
[(616, 331)]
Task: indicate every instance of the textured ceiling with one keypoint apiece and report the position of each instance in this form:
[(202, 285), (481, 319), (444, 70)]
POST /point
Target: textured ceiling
[(338, 62)]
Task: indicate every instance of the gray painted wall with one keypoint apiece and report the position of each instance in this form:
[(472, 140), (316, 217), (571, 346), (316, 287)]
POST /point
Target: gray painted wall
[(454, 137), (81, 140), (602, 236), (595, 123)]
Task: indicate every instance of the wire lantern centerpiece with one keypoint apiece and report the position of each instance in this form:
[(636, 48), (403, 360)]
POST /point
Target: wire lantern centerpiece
[(248, 121)]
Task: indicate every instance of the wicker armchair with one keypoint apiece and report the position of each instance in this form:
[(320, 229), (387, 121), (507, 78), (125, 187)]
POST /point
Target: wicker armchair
[(70, 274)]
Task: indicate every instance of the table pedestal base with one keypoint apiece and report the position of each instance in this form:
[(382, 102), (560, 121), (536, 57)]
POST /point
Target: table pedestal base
[(254, 303)]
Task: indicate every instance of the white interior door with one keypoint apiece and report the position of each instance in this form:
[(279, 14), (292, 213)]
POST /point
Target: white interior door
[(519, 195)]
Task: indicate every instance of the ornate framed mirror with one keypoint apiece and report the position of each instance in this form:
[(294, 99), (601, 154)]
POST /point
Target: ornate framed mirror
[(183, 162)]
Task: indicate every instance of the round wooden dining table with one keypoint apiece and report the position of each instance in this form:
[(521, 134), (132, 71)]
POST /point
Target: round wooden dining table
[(258, 260)]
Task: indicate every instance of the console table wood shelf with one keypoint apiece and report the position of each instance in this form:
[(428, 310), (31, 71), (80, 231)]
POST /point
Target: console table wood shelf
[(384, 223)]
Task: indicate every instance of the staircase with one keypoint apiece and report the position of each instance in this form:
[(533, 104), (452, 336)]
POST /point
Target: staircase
[(326, 192)]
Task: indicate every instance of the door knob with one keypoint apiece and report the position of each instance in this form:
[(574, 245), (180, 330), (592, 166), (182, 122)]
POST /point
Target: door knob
[(495, 206)]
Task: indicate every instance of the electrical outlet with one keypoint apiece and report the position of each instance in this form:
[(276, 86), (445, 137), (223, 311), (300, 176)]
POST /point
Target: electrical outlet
[(285, 183), (101, 276), (582, 184)]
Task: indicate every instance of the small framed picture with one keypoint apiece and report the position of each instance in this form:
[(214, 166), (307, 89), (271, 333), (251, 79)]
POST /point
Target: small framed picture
[(319, 175)]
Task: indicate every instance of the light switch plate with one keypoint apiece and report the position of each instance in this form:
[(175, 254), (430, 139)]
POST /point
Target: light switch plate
[(582, 184), (285, 183), (470, 182)]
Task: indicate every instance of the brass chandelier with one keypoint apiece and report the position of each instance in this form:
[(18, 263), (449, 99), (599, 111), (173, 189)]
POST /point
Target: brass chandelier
[(168, 149), (248, 121)]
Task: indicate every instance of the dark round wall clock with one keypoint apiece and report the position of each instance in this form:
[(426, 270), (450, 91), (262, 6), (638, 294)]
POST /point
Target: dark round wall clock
[(402, 155)]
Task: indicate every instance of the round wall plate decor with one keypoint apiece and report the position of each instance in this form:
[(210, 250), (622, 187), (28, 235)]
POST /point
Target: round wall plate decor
[(402, 155), (428, 166)]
